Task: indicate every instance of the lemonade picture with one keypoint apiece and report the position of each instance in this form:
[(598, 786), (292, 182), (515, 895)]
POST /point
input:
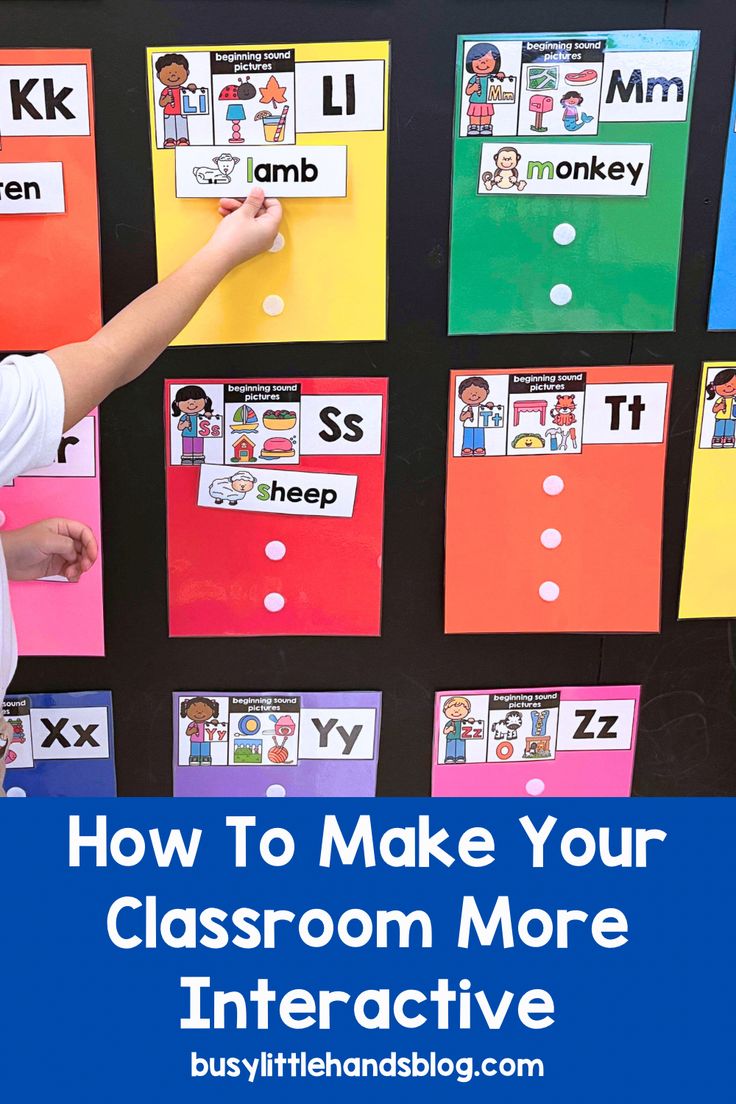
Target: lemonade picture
[(274, 126)]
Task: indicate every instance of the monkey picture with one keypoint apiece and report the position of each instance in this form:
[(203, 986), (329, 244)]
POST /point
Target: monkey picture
[(506, 174)]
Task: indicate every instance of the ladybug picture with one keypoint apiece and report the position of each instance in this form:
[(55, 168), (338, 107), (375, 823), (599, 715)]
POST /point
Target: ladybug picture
[(238, 91)]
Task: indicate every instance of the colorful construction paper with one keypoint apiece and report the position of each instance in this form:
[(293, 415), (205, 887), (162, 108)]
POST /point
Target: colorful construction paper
[(307, 122), (722, 305), (569, 741), (711, 530), (48, 199), (52, 616), (274, 494), (568, 180), (280, 744), (61, 745), (555, 483)]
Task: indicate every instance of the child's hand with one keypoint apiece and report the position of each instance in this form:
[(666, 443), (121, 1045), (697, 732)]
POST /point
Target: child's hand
[(56, 546), (248, 227)]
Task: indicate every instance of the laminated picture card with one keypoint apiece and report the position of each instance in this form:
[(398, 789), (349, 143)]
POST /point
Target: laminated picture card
[(60, 745), (274, 494), (48, 199), (555, 486), (568, 179), (280, 744), (307, 122), (568, 741)]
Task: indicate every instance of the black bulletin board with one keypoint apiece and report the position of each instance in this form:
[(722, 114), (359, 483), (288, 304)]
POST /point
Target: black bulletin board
[(687, 736)]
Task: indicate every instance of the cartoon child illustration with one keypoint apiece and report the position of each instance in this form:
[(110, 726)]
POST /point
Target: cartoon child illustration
[(483, 63), (456, 710), (172, 70), (506, 174), (224, 164), (190, 405), (723, 385), (233, 488), (199, 711), (473, 392), (564, 418), (572, 118)]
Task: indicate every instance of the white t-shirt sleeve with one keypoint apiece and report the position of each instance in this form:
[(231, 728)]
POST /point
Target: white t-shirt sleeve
[(31, 414)]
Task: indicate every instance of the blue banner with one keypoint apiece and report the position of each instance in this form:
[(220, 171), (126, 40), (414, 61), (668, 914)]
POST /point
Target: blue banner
[(188, 950)]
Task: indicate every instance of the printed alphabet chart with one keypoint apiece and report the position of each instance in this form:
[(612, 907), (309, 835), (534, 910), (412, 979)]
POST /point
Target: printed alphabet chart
[(707, 573), (307, 122), (276, 744), (555, 483), (275, 506), (53, 616), (48, 199), (570, 741), (61, 745), (568, 180)]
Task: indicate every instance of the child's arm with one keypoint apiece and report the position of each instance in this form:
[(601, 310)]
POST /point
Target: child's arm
[(131, 341)]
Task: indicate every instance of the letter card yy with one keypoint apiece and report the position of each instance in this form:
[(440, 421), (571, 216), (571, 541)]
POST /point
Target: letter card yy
[(569, 741), (555, 485), (568, 180), (48, 199), (722, 304), (275, 506), (708, 566), (308, 123), (61, 745), (72, 621), (276, 745)]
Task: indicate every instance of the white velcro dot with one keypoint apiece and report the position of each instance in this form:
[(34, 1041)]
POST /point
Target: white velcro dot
[(561, 294), (553, 485), (273, 305), (274, 602), (551, 538), (276, 790), (535, 787), (275, 550), (564, 233), (279, 243), (549, 591)]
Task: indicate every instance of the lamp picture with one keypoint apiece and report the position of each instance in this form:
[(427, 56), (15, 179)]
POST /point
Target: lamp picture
[(236, 116)]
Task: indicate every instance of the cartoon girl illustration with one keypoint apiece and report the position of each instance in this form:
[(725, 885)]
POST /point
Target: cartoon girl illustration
[(483, 62), (572, 118), (456, 710), (191, 405), (199, 711), (723, 385)]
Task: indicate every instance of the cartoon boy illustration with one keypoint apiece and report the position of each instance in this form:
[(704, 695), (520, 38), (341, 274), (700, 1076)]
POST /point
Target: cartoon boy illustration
[(572, 119), (233, 488), (199, 711), (456, 710), (506, 174), (473, 392), (172, 70), (723, 385)]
